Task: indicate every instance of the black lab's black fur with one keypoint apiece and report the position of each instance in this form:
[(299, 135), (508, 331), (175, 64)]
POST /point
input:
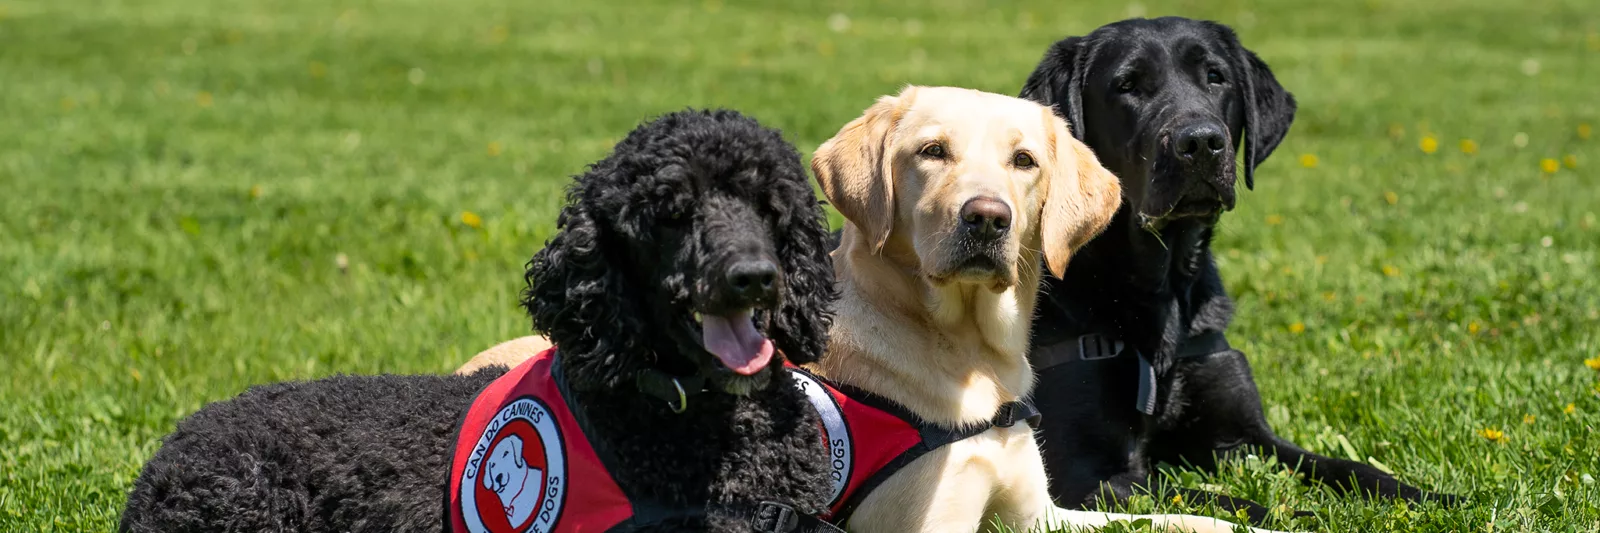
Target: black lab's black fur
[(640, 244), (1124, 88)]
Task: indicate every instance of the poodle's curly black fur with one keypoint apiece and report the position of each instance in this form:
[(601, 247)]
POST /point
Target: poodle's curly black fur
[(641, 250)]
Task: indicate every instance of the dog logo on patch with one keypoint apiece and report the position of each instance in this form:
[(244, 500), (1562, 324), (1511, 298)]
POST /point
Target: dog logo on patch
[(834, 431), (515, 481)]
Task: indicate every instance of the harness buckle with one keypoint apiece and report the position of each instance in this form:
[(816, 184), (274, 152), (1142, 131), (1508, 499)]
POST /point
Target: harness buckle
[(1097, 347), (1007, 416), (774, 517)]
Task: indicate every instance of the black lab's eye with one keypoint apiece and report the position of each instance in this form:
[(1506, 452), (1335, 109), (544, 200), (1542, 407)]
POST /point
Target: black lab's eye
[(933, 150), (1023, 160), (1214, 77), (1126, 86)]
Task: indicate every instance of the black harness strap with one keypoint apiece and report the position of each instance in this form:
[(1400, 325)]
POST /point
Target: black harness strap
[(1095, 347), (1006, 416), (774, 517)]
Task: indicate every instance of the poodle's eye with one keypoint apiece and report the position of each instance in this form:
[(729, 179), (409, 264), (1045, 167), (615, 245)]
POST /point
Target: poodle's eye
[(1023, 160), (933, 150), (1214, 77), (675, 218)]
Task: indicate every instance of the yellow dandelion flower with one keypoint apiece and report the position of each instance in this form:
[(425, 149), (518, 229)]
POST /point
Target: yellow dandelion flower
[(1493, 435), (1570, 161), (1391, 270), (471, 219), (1473, 327), (203, 99), (1297, 328), (1391, 197), (1177, 499), (1569, 409), (1428, 144), (317, 69), (1273, 220), (1593, 363), (1469, 147), (1584, 131), (495, 148), (1549, 166), (1308, 160), (256, 191), (1527, 419)]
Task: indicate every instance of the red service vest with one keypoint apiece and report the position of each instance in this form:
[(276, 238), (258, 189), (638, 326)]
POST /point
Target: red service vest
[(523, 465)]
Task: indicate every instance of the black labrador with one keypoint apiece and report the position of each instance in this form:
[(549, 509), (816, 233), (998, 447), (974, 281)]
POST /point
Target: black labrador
[(1132, 363)]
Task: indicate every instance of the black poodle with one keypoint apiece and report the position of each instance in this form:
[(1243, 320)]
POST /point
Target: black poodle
[(688, 265)]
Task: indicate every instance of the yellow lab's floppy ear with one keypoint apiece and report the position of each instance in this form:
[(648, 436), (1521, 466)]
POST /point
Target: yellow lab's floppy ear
[(1080, 199), (857, 172)]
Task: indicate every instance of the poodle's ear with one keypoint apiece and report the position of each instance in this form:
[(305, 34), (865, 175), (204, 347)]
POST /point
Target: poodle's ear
[(580, 301), (808, 286), (856, 170), (1080, 198)]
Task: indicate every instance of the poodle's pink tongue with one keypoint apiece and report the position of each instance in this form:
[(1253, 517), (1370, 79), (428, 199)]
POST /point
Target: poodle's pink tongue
[(735, 341)]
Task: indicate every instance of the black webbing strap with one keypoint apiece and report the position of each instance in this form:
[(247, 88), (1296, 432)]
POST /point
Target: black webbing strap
[(774, 517), (1094, 347), (1006, 416)]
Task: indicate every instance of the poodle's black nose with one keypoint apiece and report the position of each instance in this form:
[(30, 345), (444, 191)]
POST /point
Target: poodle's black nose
[(753, 279), (986, 218)]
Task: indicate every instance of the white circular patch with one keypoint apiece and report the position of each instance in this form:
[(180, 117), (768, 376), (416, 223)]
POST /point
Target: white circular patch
[(516, 478), (834, 431)]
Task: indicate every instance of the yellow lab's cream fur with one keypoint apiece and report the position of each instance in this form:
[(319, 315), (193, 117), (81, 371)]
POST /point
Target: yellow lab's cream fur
[(948, 342), (508, 354)]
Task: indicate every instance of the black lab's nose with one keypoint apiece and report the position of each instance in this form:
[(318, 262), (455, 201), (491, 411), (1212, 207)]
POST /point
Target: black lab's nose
[(753, 279), (986, 218), (1199, 143)]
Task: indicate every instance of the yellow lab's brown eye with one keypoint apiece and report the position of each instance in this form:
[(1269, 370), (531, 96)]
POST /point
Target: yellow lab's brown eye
[(934, 150), (1022, 160)]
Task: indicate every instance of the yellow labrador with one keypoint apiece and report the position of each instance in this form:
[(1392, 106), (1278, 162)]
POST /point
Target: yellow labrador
[(954, 199)]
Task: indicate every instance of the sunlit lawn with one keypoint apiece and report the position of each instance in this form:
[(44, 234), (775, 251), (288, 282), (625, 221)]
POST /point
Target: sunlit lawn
[(200, 196)]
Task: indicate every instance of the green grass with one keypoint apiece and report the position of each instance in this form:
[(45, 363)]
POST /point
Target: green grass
[(180, 179)]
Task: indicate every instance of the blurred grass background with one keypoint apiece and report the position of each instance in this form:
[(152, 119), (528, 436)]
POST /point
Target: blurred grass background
[(200, 196)]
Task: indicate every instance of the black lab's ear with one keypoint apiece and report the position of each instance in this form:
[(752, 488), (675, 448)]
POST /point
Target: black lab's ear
[(1058, 80), (1268, 109)]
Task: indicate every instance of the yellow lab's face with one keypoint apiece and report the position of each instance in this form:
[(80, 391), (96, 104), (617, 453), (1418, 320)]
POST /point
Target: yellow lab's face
[(974, 184)]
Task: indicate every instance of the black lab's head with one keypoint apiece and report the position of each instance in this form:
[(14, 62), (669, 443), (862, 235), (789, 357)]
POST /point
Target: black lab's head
[(696, 247), (1165, 103)]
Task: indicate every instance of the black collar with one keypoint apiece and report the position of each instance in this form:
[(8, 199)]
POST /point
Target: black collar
[(1095, 347)]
